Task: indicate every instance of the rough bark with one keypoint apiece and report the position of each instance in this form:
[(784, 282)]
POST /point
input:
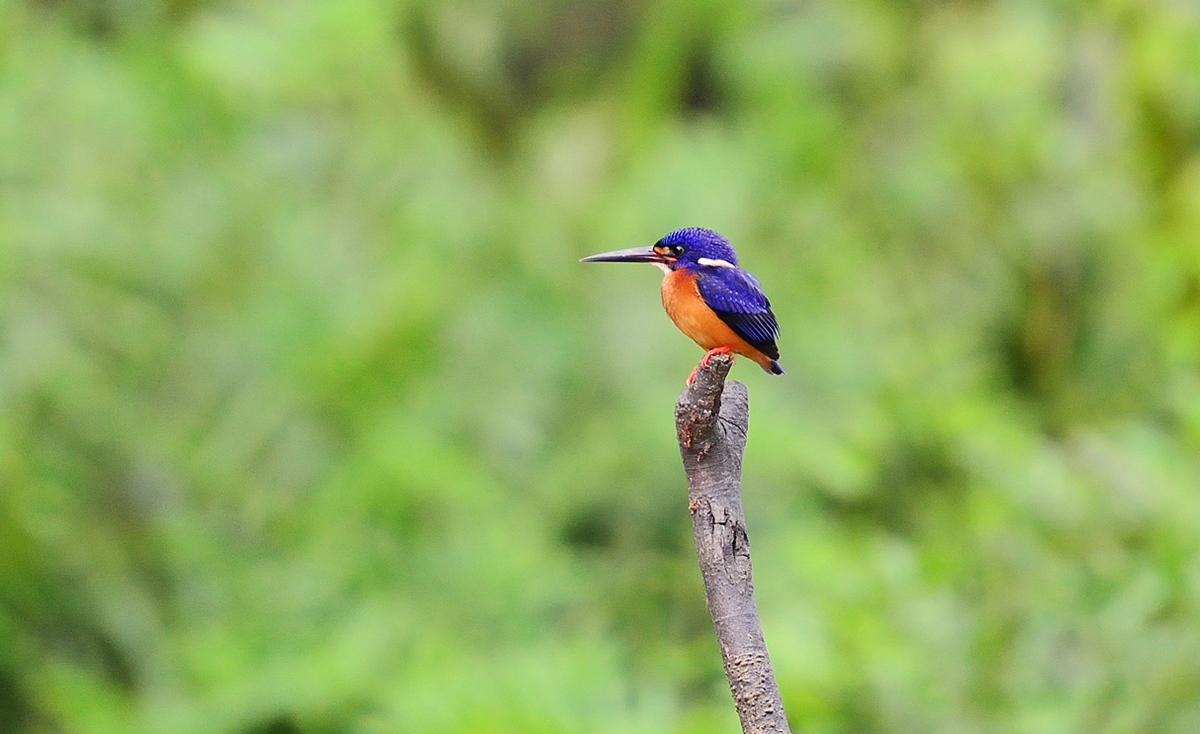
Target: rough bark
[(711, 419)]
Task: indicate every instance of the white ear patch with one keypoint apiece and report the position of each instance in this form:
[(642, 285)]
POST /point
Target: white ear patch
[(715, 263)]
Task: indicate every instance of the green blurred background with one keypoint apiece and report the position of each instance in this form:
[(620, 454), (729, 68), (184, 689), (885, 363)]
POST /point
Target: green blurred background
[(311, 422)]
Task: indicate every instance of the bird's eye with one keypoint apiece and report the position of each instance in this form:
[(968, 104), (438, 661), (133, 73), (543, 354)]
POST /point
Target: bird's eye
[(673, 251)]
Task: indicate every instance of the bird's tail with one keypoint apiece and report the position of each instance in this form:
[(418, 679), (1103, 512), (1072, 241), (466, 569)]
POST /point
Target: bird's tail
[(775, 368)]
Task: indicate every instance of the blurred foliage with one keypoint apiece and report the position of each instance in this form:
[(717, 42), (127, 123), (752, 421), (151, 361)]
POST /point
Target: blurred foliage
[(311, 422)]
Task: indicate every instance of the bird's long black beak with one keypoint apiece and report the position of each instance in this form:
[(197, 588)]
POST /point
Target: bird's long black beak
[(632, 255)]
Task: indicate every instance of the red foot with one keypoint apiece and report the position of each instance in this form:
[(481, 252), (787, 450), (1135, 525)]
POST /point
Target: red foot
[(704, 361)]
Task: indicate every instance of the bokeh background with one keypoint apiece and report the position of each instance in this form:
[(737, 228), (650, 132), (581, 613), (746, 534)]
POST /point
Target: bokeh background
[(311, 422)]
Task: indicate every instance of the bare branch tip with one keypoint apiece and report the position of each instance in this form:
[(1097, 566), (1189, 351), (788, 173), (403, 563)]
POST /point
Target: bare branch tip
[(711, 375)]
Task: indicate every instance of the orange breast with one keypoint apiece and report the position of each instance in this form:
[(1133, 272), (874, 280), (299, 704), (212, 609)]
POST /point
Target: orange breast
[(700, 323), (691, 314)]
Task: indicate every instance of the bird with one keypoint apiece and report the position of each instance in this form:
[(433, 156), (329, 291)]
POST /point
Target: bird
[(709, 297)]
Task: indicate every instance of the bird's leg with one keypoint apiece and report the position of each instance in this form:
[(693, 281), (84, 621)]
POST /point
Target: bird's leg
[(713, 352), (704, 360)]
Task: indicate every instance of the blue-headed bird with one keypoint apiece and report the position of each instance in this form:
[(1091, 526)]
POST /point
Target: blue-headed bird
[(714, 302)]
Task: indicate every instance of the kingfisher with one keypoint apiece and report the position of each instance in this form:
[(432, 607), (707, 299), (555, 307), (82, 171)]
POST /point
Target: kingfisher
[(713, 301)]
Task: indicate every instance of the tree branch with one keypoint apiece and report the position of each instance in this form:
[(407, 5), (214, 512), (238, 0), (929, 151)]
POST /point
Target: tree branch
[(712, 439)]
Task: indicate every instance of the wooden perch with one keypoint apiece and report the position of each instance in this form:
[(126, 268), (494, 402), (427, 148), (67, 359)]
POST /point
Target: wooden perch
[(711, 419)]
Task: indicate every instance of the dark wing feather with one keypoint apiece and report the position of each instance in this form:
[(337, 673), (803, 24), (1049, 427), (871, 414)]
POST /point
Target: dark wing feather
[(739, 301)]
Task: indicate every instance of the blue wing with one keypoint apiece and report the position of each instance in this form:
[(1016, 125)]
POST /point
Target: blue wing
[(739, 301)]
